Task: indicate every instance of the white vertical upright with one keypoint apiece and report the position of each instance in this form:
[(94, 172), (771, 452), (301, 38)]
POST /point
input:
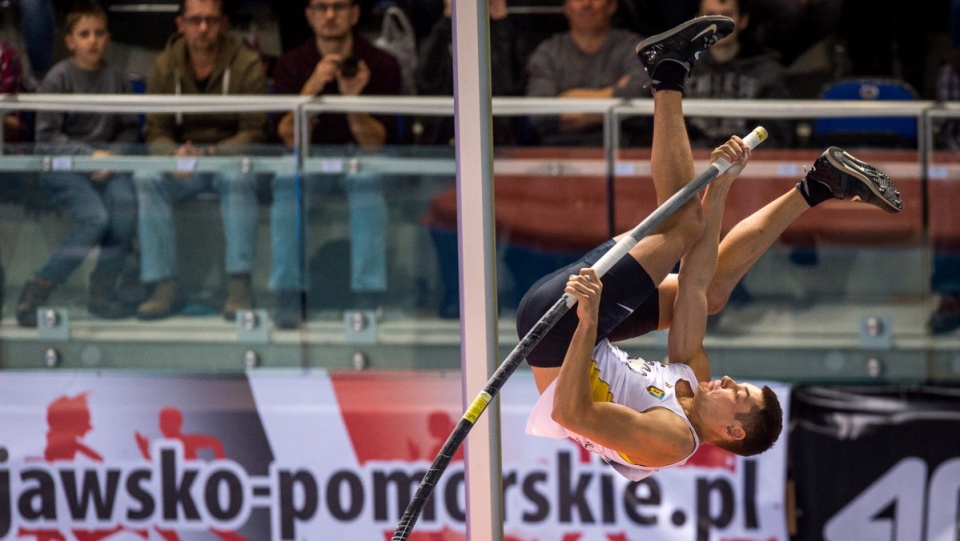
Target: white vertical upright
[(477, 256)]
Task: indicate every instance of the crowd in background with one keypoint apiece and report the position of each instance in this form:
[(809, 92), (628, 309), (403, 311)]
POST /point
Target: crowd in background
[(581, 49)]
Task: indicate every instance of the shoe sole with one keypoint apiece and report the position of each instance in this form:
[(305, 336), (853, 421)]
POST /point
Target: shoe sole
[(869, 175), (680, 28)]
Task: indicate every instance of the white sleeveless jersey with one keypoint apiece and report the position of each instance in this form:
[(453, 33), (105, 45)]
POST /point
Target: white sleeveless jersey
[(637, 384)]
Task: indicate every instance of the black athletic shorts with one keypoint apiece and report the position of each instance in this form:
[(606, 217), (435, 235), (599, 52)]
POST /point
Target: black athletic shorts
[(629, 306)]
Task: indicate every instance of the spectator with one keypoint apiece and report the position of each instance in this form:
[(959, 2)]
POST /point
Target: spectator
[(101, 205), (591, 60), (336, 61), (11, 82), (435, 72), (200, 58), (736, 67)]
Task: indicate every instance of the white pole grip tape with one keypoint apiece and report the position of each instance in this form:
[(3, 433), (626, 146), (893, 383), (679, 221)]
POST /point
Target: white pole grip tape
[(754, 138)]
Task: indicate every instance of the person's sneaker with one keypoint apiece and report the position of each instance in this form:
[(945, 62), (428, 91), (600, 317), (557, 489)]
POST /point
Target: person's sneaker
[(853, 180), (685, 43)]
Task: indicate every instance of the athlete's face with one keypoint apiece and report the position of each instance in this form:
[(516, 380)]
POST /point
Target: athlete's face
[(721, 400)]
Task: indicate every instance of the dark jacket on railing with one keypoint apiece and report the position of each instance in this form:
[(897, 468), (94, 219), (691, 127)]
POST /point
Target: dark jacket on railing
[(295, 67)]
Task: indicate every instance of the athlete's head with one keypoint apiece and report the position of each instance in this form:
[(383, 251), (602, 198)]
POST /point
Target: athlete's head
[(763, 425), (740, 417)]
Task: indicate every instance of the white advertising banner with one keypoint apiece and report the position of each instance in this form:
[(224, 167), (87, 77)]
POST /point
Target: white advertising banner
[(290, 455)]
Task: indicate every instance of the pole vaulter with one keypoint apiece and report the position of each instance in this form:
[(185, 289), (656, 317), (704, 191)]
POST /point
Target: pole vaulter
[(530, 340)]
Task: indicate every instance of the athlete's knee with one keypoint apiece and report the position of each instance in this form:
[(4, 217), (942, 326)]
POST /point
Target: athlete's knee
[(718, 294), (716, 300)]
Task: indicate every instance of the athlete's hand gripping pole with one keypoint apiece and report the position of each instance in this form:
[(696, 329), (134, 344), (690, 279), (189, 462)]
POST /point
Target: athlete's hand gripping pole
[(495, 383)]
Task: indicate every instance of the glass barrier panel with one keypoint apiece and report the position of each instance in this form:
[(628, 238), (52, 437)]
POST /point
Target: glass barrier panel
[(367, 244)]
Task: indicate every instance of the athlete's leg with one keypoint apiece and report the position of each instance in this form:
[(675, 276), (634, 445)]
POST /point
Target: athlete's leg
[(739, 250), (632, 279), (672, 167), (667, 59), (835, 175), (748, 240)]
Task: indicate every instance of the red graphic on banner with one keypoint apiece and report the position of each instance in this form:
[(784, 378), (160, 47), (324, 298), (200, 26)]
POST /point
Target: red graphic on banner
[(171, 426), (415, 428), (68, 421), (406, 432)]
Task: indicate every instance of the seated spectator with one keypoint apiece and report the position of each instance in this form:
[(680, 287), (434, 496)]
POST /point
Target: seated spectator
[(592, 60), (200, 58), (101, 205), (336, 61), (736, 67), (435, 72), (11, 82)]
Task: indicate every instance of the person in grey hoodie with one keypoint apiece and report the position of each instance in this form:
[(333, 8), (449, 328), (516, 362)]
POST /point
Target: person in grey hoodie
[(592, 60), (101, 205), (200, 58)]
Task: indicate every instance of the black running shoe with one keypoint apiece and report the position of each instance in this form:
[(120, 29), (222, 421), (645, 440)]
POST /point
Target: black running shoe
[(854, 180), (685, 43)]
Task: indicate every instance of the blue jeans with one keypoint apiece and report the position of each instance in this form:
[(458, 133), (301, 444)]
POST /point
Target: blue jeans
[(37, 20), (103, 214), (156, 194), (368, 230)]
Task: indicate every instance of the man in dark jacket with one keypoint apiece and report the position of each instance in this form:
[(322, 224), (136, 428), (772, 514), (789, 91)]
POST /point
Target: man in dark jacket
[(335, 61), (201, 58), (736, 67)]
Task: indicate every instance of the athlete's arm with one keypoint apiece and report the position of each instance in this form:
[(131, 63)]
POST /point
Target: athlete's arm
[(573, 398), (651, 439), (685, 339)]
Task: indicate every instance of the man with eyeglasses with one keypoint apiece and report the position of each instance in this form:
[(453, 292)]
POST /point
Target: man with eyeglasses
[(337, 60), (200, 58)]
